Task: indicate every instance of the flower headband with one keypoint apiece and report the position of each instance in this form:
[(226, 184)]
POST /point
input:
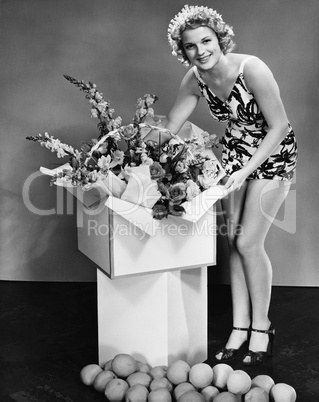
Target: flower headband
[(207, 16)]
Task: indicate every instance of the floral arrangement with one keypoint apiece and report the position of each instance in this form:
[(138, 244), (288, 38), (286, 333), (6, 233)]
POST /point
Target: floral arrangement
[(171, 172)]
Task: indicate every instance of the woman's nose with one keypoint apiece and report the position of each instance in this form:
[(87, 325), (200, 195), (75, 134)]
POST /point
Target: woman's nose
[(200, 50)]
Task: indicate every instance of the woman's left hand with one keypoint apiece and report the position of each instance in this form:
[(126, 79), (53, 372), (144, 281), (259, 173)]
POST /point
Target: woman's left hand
[(236, 180)]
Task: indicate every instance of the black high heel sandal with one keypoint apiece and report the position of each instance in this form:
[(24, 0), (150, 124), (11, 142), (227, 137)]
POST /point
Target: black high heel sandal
[(259, 357), (230, 354)]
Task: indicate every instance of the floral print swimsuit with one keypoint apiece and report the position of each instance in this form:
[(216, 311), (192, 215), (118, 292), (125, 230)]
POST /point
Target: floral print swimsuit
[(245, 131)]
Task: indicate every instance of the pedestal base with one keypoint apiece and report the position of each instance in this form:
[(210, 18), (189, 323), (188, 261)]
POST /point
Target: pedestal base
[(157, 318)]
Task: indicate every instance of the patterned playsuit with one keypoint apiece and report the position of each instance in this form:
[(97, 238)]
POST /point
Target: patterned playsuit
[(245, 131)]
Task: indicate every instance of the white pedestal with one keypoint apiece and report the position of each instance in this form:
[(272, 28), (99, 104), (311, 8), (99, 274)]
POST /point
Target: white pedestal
[(152, 279), (157, 318)]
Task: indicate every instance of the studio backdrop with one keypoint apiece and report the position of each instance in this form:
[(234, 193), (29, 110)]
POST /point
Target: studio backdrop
[(122, 47)]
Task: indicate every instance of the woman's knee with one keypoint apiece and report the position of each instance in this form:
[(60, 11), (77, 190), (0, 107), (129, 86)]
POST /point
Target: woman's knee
[(247, 246)]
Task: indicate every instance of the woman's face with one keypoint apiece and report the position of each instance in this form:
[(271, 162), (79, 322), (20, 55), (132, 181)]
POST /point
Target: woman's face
[(201, 47)]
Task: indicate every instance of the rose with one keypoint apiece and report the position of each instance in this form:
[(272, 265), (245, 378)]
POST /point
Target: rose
[(160, 211), (177, 193), (181, 167), (129, 132), (192, 190), (156, 171)]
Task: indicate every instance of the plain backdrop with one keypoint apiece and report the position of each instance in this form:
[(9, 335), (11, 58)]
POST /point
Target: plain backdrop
[(122, 47)]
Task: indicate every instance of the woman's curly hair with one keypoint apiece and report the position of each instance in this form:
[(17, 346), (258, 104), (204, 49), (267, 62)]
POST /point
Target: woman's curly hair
[(191, 17)]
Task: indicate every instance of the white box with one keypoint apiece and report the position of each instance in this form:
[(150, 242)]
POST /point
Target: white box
[(157, 318), (124, 239)]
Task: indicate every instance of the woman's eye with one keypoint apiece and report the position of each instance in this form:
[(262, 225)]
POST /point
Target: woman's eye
[(206, 40)]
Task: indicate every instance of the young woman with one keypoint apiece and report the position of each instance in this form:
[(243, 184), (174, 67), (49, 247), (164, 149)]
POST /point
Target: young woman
[(259, 157)]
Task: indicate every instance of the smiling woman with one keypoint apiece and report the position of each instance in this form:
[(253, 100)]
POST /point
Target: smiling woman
[(259, 152)]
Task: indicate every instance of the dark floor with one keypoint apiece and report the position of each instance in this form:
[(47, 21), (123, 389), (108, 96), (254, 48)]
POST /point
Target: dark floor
[(48, 332)]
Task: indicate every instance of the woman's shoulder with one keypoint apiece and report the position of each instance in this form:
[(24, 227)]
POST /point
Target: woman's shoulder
[(256, 72), (239, 59)]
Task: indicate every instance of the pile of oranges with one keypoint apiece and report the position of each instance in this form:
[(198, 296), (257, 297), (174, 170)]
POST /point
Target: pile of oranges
[(124, 379)]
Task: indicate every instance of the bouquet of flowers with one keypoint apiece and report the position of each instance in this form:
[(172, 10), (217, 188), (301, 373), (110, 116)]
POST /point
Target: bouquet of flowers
[(161, 176)]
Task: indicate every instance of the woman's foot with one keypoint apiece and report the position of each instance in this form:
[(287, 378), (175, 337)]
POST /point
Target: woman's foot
[(260, 346), (237, 339)]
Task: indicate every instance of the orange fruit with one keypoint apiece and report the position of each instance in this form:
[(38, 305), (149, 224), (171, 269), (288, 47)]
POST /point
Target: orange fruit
[(221, 373), (238, 382), (158, 371), (256, 394), (209, 393), (136, 393), (282, 392), (116, 389), (143, 367), (201, 375), (181, 388), (161, 382), (263, 381), (177, 372), (191, 396), (89, 372), (225, 397), (124, 365), (108, 365), (101, 380), (160, 395), (139, 378)]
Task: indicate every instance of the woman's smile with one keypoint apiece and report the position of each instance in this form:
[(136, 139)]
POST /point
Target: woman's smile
[(204, 59)]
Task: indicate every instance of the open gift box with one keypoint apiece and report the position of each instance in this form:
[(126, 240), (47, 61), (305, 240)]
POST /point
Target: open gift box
[(124, 239)]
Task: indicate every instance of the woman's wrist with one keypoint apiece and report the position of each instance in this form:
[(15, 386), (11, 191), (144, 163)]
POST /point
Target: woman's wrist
[(157, 136)]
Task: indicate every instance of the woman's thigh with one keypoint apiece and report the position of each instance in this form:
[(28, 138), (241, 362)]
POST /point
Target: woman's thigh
[(232, 207), (262, 202)]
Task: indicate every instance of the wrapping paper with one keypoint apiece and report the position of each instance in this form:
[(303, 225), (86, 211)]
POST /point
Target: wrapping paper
[(141, 190)]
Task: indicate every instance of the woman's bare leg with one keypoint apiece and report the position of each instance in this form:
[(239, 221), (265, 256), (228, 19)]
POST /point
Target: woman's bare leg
[(263, 200), (250, 267), (233, 207)]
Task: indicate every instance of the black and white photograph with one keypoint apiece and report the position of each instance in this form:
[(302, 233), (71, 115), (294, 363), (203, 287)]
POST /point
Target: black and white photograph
[(159, 201)]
